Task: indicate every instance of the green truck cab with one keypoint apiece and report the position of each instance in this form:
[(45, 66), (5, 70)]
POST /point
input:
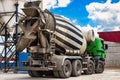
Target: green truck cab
[(97, 50)]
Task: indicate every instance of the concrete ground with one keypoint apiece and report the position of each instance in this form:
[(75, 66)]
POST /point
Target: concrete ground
[(108, 74)]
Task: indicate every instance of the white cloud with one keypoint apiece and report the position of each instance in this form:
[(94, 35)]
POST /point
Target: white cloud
[(105, 14), (63, 3), (47, 4), (74, 21)]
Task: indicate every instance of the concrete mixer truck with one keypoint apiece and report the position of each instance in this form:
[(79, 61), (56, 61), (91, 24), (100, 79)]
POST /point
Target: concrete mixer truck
[(57, 46)]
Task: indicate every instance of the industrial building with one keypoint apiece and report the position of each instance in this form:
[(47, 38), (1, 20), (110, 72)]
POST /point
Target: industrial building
[(112, 38)]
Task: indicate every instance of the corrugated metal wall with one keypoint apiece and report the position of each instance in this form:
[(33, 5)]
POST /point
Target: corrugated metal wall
[(113, 54)]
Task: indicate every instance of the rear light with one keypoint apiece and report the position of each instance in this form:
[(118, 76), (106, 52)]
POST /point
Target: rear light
[(25, 63), (53, 64)]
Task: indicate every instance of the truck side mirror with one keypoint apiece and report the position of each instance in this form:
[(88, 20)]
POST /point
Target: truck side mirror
[(105, 46)]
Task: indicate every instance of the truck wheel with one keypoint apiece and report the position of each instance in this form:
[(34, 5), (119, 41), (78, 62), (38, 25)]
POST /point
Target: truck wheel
[(100, 67), (34, 73), (56, 74), (90, 68), (76, 68), (66, 69), (48, 73)]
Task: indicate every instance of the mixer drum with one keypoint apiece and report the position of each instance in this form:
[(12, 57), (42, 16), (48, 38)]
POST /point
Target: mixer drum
[(69, 38)]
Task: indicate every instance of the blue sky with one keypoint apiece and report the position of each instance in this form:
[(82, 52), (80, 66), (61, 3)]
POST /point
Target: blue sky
[(104, 15)]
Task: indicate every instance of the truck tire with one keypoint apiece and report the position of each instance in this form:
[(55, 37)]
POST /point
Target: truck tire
[(48, 73), (66, 69), (76, 68), (90, 68), (56, 74), (34, 73), (100, 67)]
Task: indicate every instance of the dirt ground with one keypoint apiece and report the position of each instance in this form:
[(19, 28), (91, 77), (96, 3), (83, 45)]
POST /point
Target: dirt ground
[(108, 74)]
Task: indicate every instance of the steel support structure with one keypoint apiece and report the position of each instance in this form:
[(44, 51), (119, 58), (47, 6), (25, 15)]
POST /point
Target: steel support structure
[(16, 31), (9, 50)]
